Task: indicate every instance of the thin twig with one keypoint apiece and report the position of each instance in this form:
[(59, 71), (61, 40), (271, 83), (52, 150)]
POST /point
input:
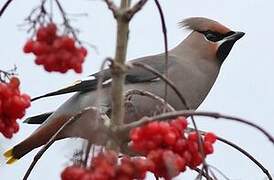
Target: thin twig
[(52, 140), (67, 22), (164, 30), (111, 6), (212, 173), (4, 7), (219, 171), (86, 154), (200, 171), (135, 8), (241, 150), (187, 113), (131, 92), (265, 171), (6, 75), (169, 82)]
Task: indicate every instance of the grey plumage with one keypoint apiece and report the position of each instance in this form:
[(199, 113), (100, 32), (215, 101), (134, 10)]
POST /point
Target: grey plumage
[(193, 66)]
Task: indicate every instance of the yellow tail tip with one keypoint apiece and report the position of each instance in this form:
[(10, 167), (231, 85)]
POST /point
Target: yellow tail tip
[(11, 160), (9, 153), (9, 156)]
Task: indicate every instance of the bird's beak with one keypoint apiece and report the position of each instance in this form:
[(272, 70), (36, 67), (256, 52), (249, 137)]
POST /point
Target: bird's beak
[(234, 37)]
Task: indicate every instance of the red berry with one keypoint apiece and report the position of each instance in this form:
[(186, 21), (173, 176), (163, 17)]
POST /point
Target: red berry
[(192, 146), (14, 83), (153, 128), (68, 43), (208, 148), (41, 34), (193, 136), (164, 127), (51, 29), (197, 160), (170, 138), (210, 137), (180, 123), (28, 47), (38, 48), (72, 173), (83, 51), (180, 145)]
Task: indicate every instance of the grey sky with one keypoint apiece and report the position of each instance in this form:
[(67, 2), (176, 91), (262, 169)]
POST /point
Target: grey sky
[(245, 86)]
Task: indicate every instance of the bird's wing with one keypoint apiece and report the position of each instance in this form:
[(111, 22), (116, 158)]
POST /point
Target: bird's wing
[(134, 75)]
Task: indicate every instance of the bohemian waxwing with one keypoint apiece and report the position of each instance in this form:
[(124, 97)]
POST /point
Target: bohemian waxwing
[(193, 66)]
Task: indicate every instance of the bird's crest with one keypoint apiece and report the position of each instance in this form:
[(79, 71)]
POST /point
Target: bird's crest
[(203, 24)]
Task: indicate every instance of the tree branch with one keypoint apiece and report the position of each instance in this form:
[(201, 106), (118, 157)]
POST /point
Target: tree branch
[(132, 92), (164, 30), (4, 7), (118, 68), (265, 171), (112, 6), (187, 113), (135, 8), (169, 82), (241, 150)]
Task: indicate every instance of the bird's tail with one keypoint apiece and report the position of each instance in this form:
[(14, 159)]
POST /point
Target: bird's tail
[(9, 156)]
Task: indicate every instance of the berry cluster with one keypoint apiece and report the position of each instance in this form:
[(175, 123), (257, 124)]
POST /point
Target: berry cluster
[(105, 166), (54, 52), (165, 142), (12, 106)]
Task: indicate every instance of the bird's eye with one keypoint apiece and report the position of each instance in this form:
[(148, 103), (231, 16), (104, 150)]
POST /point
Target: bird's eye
[(213, 36)]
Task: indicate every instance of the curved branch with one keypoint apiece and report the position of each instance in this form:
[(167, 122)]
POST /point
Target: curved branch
[(241, 150), (150, 95), (203, 173), (164, 30), (244, 152), (111, 6), (5, 7), (136, 7), (165, 79), (187, 113)]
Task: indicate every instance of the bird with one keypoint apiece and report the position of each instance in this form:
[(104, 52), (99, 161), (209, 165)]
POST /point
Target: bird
[(193, 66)]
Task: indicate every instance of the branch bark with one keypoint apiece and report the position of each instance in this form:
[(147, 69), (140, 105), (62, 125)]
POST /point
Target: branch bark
[(136, 7), (112, 6), (118, 68)]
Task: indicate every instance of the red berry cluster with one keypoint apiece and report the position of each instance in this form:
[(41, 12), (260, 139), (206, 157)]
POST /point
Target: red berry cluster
[(54, 52), (167, 163), (133, 168), (12, 106), (105, 166), (165, 142)]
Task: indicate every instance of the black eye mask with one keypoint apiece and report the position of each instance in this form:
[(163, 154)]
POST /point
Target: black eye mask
[(215, 36)]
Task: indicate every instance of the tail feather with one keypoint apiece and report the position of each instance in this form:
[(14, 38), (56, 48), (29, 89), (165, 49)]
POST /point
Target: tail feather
[(9, 156)]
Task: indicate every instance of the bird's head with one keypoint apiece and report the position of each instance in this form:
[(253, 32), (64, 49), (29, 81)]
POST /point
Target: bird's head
[(210, 38)]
